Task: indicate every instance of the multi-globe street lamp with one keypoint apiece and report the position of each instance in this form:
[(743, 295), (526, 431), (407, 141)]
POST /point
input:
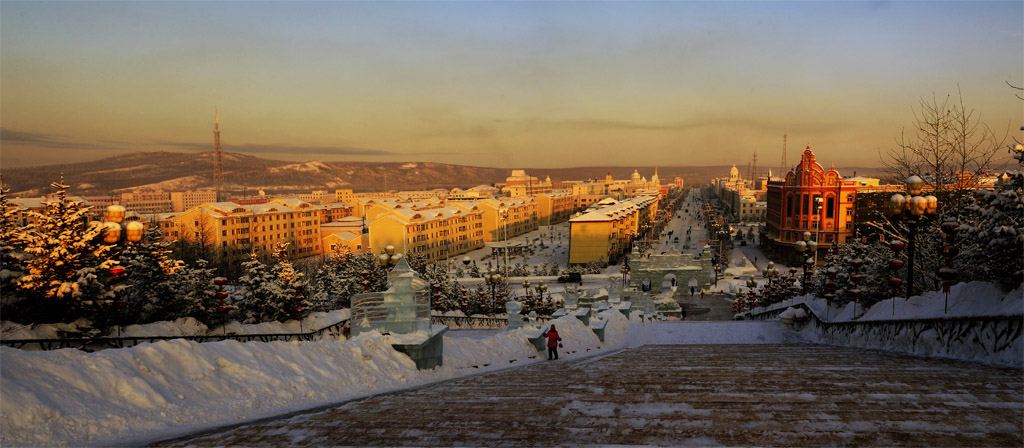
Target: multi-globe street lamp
[(118, 232), (492, 278), (912, 207), (770, 272), (808, 246), (388, 258)]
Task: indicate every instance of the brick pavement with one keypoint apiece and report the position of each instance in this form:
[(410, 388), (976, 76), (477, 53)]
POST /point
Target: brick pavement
[(694, 395)]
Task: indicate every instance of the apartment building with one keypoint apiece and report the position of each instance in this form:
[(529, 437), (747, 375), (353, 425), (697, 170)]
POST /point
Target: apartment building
[(187, 200), (505, 218), (235, 230), (555, 207), (433, 233), (346, 234), (602, 234)]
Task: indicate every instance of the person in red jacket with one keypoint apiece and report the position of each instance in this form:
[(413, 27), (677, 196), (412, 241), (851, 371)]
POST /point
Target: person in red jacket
[(553, 339)]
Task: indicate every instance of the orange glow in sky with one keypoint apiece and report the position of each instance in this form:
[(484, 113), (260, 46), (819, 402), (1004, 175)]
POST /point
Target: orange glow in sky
[(519, 84)]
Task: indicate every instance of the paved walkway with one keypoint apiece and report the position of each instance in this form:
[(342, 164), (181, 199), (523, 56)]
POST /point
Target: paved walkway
[(690, 395)]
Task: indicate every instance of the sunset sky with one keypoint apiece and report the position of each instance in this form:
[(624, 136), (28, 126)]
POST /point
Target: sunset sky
[(521, 84)]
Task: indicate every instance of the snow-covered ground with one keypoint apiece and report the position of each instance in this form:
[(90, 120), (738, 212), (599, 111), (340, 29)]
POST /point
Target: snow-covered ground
[(965, 299), (164, 389)]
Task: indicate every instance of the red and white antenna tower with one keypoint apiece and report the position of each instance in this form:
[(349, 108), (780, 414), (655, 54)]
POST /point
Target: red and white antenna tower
[(218, 160), (783, 170)]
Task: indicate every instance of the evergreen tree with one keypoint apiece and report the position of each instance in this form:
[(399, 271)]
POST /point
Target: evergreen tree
[(195, 294), (263, 297), (290, 280), (554, 268), (991, 238), (68, 269), (11, 268), (152, 290)]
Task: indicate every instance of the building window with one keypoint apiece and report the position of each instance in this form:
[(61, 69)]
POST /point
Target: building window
[(829, 204), (789, 206), (804, 208)]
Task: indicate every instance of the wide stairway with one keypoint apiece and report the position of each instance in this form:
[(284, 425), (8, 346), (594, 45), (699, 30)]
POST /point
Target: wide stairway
[(690, 395)]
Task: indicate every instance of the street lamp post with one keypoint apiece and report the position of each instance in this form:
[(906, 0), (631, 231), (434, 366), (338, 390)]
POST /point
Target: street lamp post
[(856, 277), (947, 272), (222, 307), (895, 265), (116, 231), (912, 206), (810, 247), (492, 279)]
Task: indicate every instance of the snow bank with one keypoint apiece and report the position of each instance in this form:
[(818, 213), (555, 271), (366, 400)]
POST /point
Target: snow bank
[(169, 388), (965, 300)]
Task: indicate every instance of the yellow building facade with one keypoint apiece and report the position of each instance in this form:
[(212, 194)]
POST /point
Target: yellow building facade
[(232, 231), (504, 218), (432, 233), (603, 233), (555, 207)]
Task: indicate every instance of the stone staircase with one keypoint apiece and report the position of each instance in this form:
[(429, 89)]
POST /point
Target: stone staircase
[(713, 307), (690, 395)]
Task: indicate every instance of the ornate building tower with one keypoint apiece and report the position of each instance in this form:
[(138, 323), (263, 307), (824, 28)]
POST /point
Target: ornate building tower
[(809, 199)]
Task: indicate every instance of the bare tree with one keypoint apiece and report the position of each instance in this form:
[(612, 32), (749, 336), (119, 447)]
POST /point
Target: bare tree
[(950, 148)]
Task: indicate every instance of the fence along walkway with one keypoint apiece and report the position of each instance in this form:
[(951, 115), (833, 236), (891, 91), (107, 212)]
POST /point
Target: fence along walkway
[(333, 330)]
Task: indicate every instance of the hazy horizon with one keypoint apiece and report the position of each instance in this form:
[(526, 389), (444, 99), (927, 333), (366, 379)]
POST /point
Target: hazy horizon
[(497, 84)]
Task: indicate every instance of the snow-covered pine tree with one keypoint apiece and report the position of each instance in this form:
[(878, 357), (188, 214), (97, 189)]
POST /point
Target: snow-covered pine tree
[(448, 291), (11, 268), (262, 297), (991, 238), (195, 294), (290, 279), (152, 293), (554, 268), (67, 271)]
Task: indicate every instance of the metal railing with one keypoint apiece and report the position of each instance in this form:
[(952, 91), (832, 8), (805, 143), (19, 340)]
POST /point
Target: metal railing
[(97, 343), (90, 344)]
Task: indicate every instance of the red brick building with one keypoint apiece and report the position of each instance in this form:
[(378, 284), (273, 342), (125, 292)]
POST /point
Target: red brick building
[(809, 199)]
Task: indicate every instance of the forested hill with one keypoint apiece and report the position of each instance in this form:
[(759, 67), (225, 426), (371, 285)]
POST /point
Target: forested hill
[(174, 171)]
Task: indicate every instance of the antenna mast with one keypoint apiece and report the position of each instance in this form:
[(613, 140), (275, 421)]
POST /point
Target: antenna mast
[(783, 155), (218, 161), (754, 168)]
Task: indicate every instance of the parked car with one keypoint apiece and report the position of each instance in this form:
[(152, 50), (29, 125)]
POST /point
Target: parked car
[(570, 277)]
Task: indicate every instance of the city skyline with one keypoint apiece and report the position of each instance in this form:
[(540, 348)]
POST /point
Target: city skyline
[(543, 85)]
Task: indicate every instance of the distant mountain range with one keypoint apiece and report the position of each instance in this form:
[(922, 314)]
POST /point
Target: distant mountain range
[(245, 175)]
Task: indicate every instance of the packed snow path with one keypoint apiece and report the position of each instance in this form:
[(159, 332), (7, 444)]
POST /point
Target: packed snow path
[(699, 395)]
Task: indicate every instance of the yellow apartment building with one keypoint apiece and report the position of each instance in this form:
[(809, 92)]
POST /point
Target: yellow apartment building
[(602, 233), (234, 230), (504, 218), (345, 233), (555, 207), (433, 233)]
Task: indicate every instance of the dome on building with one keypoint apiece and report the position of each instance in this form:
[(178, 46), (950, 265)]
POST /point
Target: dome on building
[(734, 174)]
